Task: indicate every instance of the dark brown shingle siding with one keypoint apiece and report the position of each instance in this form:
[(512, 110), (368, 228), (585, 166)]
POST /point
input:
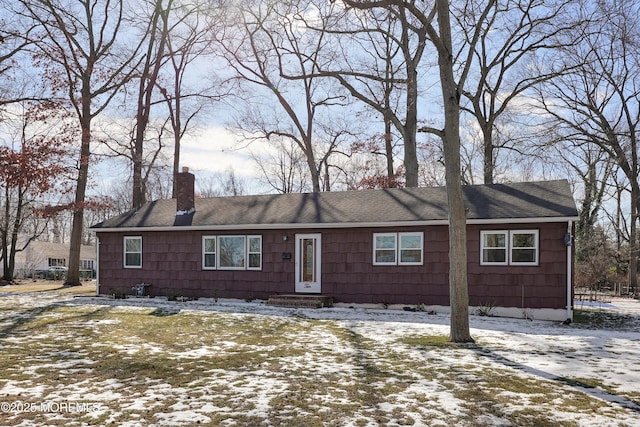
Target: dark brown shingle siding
[(172, 261)]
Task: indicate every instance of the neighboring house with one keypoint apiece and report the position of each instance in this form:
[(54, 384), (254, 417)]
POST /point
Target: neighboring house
[(40, 258), (383, 247)]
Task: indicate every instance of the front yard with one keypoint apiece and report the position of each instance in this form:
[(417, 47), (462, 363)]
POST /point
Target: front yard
[(73, 361)]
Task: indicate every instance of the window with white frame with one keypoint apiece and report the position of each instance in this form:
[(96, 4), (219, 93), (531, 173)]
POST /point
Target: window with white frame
[(493, 247), (57, 262), (404, 248), (410, 246), (384, 248), (133, 251), (254, 252), (509, 247), (524, 247), (232, 252), (208, 252), (86, 264)]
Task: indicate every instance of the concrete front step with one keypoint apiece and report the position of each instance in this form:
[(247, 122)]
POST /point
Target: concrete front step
[(300, 301)]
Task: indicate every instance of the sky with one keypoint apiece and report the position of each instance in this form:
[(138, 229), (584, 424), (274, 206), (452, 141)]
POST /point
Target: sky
[(215, 149), (208, 151)]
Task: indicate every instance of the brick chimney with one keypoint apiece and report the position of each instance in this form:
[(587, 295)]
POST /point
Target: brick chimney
[(185, 183)]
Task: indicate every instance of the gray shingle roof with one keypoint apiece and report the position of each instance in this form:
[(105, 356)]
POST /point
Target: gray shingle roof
[(544, 200)]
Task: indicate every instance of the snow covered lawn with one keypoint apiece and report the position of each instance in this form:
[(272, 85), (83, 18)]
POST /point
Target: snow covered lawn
[(142, 362)]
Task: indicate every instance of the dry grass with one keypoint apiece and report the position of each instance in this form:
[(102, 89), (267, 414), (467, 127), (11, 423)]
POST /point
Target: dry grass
[(88, 288), (164, 366)]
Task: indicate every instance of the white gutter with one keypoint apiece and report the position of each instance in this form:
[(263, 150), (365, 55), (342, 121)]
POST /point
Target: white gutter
[(569, 271), (290, 226)]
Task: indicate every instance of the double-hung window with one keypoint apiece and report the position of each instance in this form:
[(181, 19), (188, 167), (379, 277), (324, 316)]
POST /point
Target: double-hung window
[(524, 247), (254, 252), (410, 246), (384, 248), (509, 247), (398, 248), (232, 252), (209, 252), (133, 252), (493, 247)]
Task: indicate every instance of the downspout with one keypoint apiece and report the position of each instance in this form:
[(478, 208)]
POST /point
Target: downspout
[(568, 243), (97, 266)]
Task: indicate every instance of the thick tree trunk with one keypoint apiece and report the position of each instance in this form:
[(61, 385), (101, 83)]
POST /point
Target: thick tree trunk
[(388, 145), (410, 129), (73, 272), (10, 265), (489, 167), (176, 163), (458, 290), (633, 238), (315, 173), (6, 275), (139, 193), (411, 158), (147, 83), (176, 124)]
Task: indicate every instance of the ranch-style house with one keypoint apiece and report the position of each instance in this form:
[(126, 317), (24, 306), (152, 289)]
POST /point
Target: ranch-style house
[(379, 248)]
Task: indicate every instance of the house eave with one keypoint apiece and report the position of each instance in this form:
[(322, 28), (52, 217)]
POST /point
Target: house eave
[(304, 226), (522, 220)]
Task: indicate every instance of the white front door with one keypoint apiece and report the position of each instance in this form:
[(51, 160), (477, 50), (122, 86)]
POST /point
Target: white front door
[(308, 263)]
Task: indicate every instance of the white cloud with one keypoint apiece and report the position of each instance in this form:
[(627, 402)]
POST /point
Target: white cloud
[(215, 149)]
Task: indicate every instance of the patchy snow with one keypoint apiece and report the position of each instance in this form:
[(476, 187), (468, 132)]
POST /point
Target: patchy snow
[(181, 415), (406, 384)]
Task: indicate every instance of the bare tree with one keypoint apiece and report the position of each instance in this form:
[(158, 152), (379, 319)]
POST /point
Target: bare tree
[(504, 44), (381, 50), (187, 42), (157, 37), (15, 39), (619, 191), (282, 168), (226, 183), (119, 136), (451, 89), (598, 102), (275, 59), (30, 165), (594, 168), (77, 48), (593, 271), (439, 33), (165, 106)]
